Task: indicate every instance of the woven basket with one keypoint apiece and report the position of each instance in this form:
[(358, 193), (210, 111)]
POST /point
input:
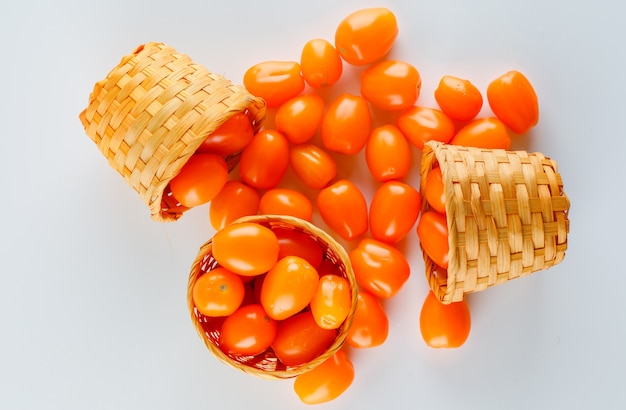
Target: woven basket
[(151, 113), (267, 365), (507, 216)]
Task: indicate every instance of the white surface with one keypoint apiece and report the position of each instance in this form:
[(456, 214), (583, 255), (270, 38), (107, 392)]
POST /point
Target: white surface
[(93, 293)]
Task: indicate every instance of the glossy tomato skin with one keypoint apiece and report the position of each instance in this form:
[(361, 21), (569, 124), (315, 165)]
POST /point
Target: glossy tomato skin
[(312, 165), (444, 326), (230, 137), (370, 325), (274, 81), (297, 243), (432, 230), (234, 201), (513, 100), (344, 209), (388, 154), (391, 85), (327, 381), (249, 331), (366, 35), (200, 179), (321, 63), (331, 301), (422, 124), (458, 98), (346, 124), (488, 132), (218, 292), (285, 201), (434, 190), (299, 118), (394, 210), (265, 160)]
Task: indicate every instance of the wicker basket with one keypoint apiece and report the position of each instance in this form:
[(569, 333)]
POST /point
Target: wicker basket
[(267, 365), (507, 216), (151, 113)]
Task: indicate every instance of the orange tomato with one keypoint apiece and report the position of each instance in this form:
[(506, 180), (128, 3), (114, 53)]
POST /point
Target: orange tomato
[(393, 212), (199, 180), (312, 165), (391, 85), (218, 292), (285, 201), (331, 301), (433, 190), (379, 268), (299, 118), (370, 325), (513, 100), (444, 326), (235, 200), (249, 331), (458, 98), (265, 160), (288, 287), (432, 230), (366, 35), (297, 243), (422, 124), (346, 125), (230, 137), (344, 209), (387, 153), (246, 248), (321, 64), (487, 132), (274, 81), (327, 381)]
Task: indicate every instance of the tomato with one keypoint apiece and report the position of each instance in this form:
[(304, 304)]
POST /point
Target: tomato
[(230, 137), (344, 209), (299, 119), (331, 302), (218, 292), (299, 339), (274, 81), (245, 248), (366, 35), (249, 331), (394, 210), (379, 268), (327, 381), (422, 124), (321, 64), (312, 165), (458, 98), (391, 85), (432, 230), (370, 325), (298, 243), (265, 160), (444, 326), (288, 287), (513, 100), (346, 124), (433, 191), (387, 153), (285, 201), (235, 200), (199, 180), (487, 132)]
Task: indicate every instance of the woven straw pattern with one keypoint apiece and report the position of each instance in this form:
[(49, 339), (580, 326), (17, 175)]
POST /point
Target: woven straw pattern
[(151, 113), (267, 366), (507, 216)]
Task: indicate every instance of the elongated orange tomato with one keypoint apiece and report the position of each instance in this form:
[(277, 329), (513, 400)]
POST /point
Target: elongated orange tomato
[(312, 165), (434, 191), (274, 81), (387, 153), (422, 124), (297, 243), (199, 180), (230, 137), (513, 100), (394, 210), (346, 124), (444, 326), (370, 326), (432, 230), (265, 160), (299, 118), (344, 209), (234, 200), (487, 132), (321, 64), (391, 85), (331, 301), (218, 292), (458, 98), (285, 201), (327, 381), (248, 331)]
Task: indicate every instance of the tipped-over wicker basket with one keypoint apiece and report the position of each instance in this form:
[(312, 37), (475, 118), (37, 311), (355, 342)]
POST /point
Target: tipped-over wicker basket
[(267, 365), (507, 216), (152, 112)]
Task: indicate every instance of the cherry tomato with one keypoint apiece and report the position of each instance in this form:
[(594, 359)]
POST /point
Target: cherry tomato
[(458, 98), (432, 230), (331, 302), (288, 287), (513, 100), (346, 125), (487, 132), (265, 160), (387, 153), (321, 64), (245, 248), (370, 325), (218, 292), (249, 331), (391, 85), (433, 190), (379, 268), (285, 201), (422, 124), (298, 243), (299, 119), (235, 200), (327, 381), (299, 339), (444, 326), (199, 180), (394, 210), (230, 137), (312, 165), (366, 35), (344, 209), (274, 81)]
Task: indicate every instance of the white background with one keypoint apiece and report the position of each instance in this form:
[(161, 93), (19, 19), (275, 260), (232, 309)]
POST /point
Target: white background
[(93, 292)]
